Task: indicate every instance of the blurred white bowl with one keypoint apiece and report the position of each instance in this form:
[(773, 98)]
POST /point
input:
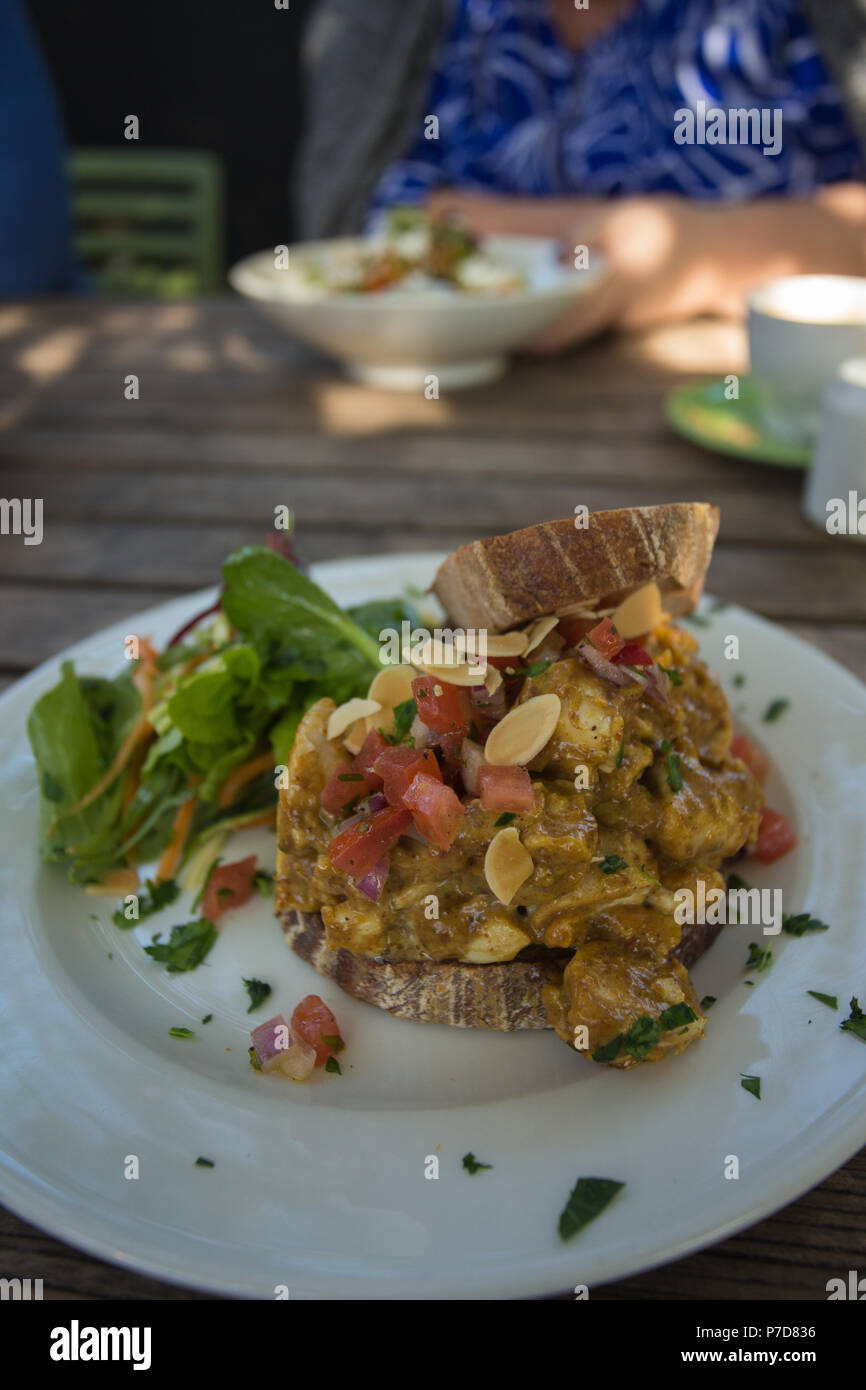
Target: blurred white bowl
[(398, 338)]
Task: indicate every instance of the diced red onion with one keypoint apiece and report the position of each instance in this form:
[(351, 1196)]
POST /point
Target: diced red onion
[(269, 1041), (471, 758), (373, 882), (658, 685), (373, 803), (608, 670)]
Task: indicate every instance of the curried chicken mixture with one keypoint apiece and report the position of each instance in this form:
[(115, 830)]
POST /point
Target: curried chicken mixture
[(435, 842)]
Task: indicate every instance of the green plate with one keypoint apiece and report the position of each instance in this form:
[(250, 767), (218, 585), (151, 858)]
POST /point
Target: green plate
[(704, 415)]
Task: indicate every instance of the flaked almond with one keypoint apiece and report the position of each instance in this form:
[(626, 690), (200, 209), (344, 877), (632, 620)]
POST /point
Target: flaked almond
[(523, 732), (452, 675), (639, 613), (507, 864), (492, 680), (354, 740), (537, 632), (495, 644), (389, 687), (348, 713)]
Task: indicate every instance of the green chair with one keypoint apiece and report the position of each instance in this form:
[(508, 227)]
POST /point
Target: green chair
[(149, 222)]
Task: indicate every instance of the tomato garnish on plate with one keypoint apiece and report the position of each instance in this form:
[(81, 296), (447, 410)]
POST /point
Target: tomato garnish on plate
[(632, 655), (441, 706), (436, 810), (358, 848), (398, 766), (347, 784), (373, 745), (776, 836), (229, 885), (313, 1021), (505, 788), (605, 638), (748, 752)]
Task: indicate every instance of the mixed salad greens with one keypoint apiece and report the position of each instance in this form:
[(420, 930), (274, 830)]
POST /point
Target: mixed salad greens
[(182, 744)]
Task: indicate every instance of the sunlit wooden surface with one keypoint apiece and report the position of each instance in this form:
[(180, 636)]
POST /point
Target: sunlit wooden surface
[(144, 498)]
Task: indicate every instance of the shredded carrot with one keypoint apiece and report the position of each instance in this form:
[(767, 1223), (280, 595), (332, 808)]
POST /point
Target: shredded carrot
[(180, 827), (239, 777), (141, 730)]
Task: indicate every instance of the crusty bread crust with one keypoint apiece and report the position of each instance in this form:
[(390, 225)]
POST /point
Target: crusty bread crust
[(554, 567), (505, 997)]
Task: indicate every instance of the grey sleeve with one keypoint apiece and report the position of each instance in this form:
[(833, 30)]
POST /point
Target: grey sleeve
[(366, 72)]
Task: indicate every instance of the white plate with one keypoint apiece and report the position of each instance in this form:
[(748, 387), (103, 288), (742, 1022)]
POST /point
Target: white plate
[(322, 1188), (401, 338)]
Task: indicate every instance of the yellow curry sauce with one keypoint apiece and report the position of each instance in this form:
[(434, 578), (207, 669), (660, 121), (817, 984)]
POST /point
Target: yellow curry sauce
[(619, 923)]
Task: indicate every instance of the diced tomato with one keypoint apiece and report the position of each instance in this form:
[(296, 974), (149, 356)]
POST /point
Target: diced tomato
[(358, 848), (749, 753), (436, 810), (605, 638), (373, 745), (345, 785), (505, 788), (313, 1021), (776, 836), (445, 712), (574, 629), (229, 885), (397, 766), (633, 655)]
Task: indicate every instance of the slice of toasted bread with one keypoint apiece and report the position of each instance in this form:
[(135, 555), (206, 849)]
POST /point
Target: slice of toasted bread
[(504, 997), (556, 566)]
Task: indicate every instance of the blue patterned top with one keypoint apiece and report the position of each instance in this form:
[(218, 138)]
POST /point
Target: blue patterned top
[(520, 113)]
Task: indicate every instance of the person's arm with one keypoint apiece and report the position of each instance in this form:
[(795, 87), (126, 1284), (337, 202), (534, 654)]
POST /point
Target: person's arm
[(671, 259)]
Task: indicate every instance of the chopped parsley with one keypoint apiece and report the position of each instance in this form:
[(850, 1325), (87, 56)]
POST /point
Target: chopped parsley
[(775, 710), (263, 881), (673, 674), (759, 959), (473, 732), (797, 924), (621, 754), (333, 1065), (350, 777), (258, 992), (536, 668), (254, 1061), (752, 1084), (204, 1163), (471, 1164), (333, 1041), (181, 1033), (739, 680), (855, 1022), (645, 1033), (153, 898), (734, 881), (186, 948), (588, 1199), (505, 819), (612, 863), (708, 1001), (672, 762), (830, 1000), (207, 1018), (404, 714)]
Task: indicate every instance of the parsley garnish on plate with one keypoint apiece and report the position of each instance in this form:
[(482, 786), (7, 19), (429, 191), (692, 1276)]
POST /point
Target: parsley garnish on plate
[(752, 1084), (645, 1033), (775, 709), (797, 924), (333, 1065), (739, 680), (734, 881), (186, 947), (404, 713), (153, 898), (759, 959), (708, 1001), (588, 1199), (612, 863), (830, 1000), (505, 819), (855, 1022), (258, 992), (673, 674), (207, 1018), (471, 1164), (621, 754), (536, 668), (254, 1061), (181, 1033), (204, 1163)]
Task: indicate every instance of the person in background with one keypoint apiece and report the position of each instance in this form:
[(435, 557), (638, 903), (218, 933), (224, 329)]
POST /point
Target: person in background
[(35, 232), (567, 122)]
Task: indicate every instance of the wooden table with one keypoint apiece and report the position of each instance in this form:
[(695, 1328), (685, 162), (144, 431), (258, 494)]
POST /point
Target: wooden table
[(144, 498)]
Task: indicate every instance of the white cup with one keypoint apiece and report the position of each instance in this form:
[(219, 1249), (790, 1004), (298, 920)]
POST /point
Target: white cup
[(834, 496), (800, 329)]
